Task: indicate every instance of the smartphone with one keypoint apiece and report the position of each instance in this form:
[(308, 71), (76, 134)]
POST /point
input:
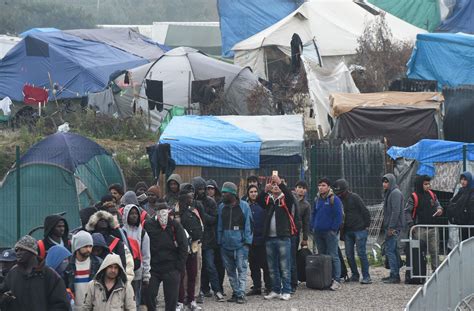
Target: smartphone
[(275, 173)]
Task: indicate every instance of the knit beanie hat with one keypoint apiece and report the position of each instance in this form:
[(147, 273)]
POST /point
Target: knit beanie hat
[(229, 187), (81, 239), (156, 190), (28, 243)]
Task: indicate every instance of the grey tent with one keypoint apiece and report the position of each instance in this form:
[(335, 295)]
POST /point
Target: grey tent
[(184, 70)]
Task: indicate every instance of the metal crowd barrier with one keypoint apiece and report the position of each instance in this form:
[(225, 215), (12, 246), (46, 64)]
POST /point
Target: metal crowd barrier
[(435, 241), (451, 286)]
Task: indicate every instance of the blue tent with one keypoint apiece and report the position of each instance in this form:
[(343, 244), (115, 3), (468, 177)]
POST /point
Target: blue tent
[(444, 57), (461, 19), (37, 30), (241, 19), (210, 142), (77, 66), (430, 151)]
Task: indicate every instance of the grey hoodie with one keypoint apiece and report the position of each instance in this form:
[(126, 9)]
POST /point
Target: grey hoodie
[(393, 204), (170, 197)]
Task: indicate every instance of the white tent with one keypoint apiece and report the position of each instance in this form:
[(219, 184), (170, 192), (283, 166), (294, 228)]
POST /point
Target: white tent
[(334, 24), (6, 43)]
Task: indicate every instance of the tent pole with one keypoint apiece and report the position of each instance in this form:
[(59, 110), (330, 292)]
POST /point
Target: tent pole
[(18, 194)]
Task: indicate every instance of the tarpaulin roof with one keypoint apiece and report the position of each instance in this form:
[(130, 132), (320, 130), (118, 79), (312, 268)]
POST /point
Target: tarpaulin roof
[(241, 19), (37, 30), (125, 39), (209, 141), (77, 66), (446, 58), (344, 102), (461, 19), (430, 151), (421, 13), (67, 150)]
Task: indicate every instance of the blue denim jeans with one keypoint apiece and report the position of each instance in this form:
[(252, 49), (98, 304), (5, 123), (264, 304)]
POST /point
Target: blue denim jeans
[(279, 264), (208, 262), (359, 239), (235, 263), (391, 251), (327, 243)]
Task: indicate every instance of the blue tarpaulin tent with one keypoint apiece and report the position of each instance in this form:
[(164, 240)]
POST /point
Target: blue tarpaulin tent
[(430, 151), (240, 19), (446, 58), (461, 19), (37, 30), (77, 66)]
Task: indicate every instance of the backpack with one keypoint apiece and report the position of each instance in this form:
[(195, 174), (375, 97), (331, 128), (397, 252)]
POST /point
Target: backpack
[(135, 249), (42, 249), (416, 202)]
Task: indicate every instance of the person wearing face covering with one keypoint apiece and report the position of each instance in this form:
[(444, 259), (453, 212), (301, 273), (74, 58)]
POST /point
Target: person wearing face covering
[(169, 251)]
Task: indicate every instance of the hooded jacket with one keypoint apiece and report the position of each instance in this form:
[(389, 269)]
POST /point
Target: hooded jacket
[(168, 247), (70, 272), (208, 213), (137, 232), (234, 226), (40, 290), (464, 199), (122, 296), (49, 223), (356, 214), (426, 206), (218, 194), (172, 198), (327, 213), (258, 216), (393, 204), (56, 256), (129, 198)]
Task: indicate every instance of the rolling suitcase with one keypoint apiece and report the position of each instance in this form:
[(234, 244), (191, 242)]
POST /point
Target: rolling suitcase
[(419, 263), (318, 271), (301, 263)]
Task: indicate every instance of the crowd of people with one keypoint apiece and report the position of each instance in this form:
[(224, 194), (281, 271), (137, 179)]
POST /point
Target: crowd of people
[(191, 236)]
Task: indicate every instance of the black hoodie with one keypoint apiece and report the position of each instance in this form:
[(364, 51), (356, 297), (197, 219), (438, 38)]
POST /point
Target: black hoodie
[(356, 214), (49, 223), (208, 214), (426, 206)]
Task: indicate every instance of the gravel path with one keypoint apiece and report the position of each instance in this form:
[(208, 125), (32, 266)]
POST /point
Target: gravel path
[(352, 296)]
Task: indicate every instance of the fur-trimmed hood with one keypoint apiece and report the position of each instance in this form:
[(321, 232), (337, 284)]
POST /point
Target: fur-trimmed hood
[(94, 219)]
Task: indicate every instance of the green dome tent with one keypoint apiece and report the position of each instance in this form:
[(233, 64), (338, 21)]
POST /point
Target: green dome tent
[(62, 173)]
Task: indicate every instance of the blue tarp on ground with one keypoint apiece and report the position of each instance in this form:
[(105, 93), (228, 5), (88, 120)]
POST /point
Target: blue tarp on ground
[(461, 19), (444, 57), (67, 150), (430, 151), (210, 142), (241, 19), (77, 66)]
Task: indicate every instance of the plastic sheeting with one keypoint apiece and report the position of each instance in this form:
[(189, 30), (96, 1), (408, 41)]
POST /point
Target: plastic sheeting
[(429, 151), (210, 142), (459, 113), (125, 39), (461, 19), (446, 58), (77, 66), (240, 19), (6, 44), (421, 13), (322, 81)]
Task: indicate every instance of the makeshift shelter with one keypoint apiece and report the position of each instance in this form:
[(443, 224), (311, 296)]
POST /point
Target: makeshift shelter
[(240, 19), (62, 173), (461, 18), (421, 13), (335, 25), (126, 39), (186, 77), (202, 36), (403, 118), (7, 43), (233, 147), (71, 65), (37, 30), (459, 113), (446, 58)]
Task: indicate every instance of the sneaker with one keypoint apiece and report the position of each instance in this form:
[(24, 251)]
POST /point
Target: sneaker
[(285, 297), (207, 294), (393, 280), (232, 299), (272, 295), (180, 307), (194, 307), (219, 297), (354, 278), (335, 285), (200, 298), (254, 292), (268, 291), (366, 281), (241, 300), (386, 278)]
